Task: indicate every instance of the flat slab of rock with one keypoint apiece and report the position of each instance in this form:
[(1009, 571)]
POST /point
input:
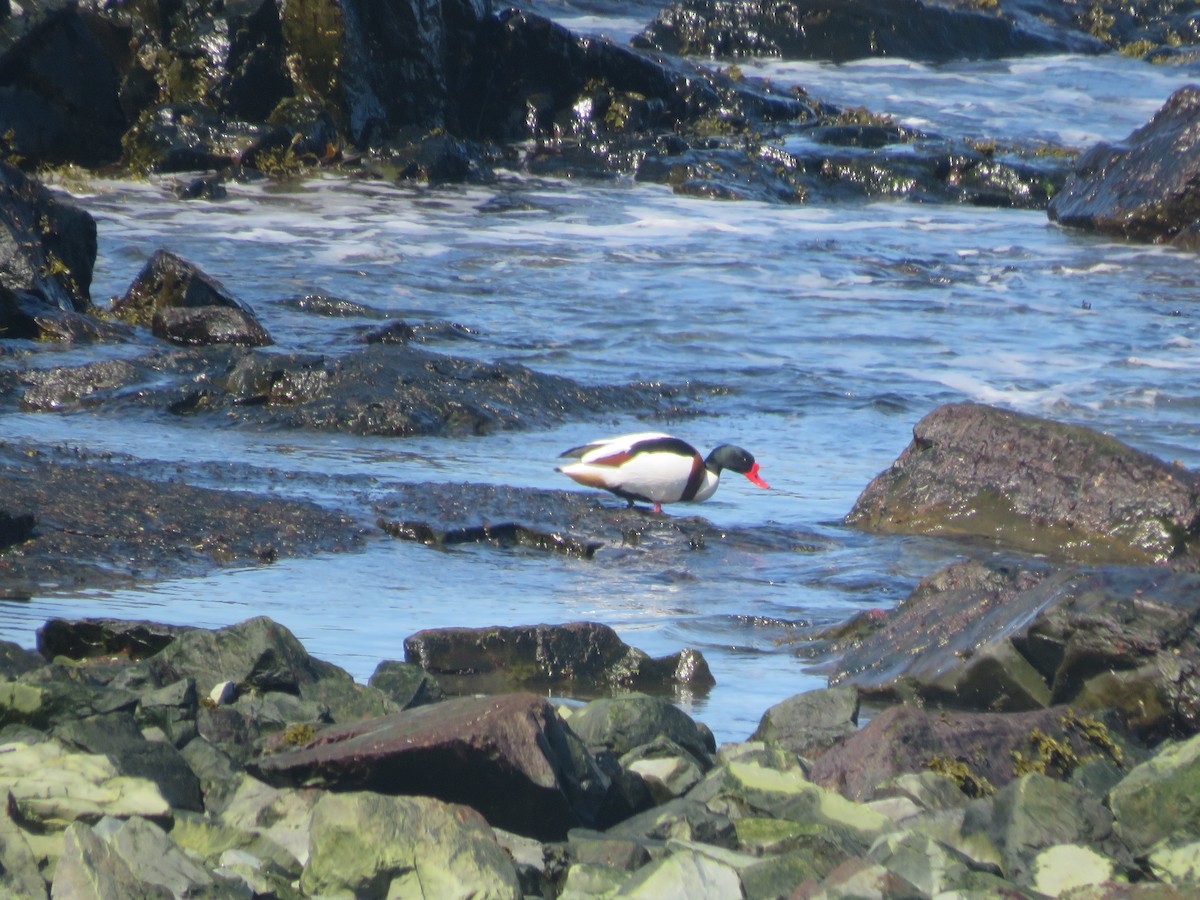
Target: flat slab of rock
[(1022, 636), (97, 524), (509, 757), (1038, 486), (579, 657)]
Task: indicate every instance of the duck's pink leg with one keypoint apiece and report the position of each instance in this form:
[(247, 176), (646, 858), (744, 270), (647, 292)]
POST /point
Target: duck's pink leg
[(658, 509)]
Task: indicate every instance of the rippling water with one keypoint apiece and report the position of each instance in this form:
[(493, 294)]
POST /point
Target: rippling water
[(830, 331)]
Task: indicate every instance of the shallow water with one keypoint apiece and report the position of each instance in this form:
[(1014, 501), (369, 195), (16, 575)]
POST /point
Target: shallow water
[(829, 330)]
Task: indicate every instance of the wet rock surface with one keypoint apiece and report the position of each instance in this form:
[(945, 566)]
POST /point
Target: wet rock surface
[(1037, 486), (1143, 187), (96, 524), (805, 29), (381, 389), (582, 658)]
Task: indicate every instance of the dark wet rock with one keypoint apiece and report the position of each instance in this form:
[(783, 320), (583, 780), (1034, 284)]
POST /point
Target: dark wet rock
[(187, 306), (581, 657), (188, 137), (52, 390), (203, 325), (395, 332), (55, 113), (333, 307), (118, 737), (81, 639), (204, 188), (510, 757), (975, 749), (1038, 486), (99, 525), (854, 29), (1145, 187), (15, 528), (573, 522), (47, 251), (406, 684), (810, 722)]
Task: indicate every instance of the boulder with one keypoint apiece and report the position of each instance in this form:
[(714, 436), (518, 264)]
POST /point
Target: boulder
[(629, 721), (1144, 187), (1018, 636), (47, 251), (1034, 813), (49, 787), (20, 866), (406, 684), (186, 306), (154, 858), (808, 723), (510, 757), (16, 660), (117, 736), (374, 845), (1156, 801), (81, 639), (268, 667), (15, 528), (980, 751), (1038, 486), (91, 869), (578, 658), (852, 29), (53, 113)]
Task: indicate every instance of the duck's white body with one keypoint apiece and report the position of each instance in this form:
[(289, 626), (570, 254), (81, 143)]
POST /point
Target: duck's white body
[(655, 468)]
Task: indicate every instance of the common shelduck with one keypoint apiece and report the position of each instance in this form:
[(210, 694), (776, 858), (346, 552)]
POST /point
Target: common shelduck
[(656, 468)]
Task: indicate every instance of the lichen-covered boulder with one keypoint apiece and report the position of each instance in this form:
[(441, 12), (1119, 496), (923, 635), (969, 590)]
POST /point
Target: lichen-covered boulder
[(1159, 798), (1038, 486), (625, 722), (374, 845), (810, 721)]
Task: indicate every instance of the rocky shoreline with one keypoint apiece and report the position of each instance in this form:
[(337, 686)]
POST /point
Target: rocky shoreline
[(1034, 724)]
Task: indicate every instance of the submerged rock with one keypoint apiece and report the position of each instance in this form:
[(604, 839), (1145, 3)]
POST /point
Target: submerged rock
[(1038, 486), (1144, 187), (579, 657)]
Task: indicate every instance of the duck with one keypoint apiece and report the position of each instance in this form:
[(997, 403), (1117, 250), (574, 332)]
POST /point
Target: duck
[(657, 468)]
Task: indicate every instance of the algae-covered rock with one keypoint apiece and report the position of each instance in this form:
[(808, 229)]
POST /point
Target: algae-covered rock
[(1176, 861), (1160, 797), (1036, 485), (404, 847)]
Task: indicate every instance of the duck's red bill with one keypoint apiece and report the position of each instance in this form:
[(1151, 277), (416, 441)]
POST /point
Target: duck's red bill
[(754, 477)]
